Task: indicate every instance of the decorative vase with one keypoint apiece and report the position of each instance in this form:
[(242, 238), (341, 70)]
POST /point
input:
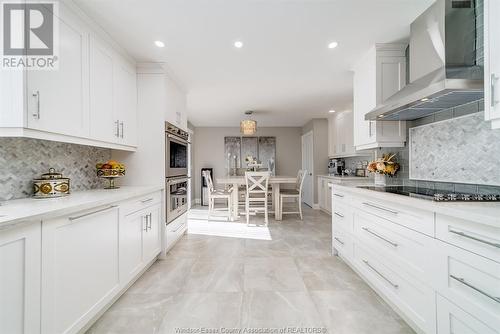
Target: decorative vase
[(380, 179)]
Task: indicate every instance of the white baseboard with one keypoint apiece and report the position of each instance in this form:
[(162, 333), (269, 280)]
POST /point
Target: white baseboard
[(197, 201)]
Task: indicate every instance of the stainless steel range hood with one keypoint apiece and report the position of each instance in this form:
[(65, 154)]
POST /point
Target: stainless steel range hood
[(446, 62)]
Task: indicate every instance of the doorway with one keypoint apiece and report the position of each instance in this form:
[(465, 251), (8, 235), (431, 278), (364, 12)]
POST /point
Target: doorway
[(308, 164)]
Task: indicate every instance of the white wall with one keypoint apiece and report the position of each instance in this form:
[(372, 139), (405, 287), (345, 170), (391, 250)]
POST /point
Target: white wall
[(319, 126), (209, 150)]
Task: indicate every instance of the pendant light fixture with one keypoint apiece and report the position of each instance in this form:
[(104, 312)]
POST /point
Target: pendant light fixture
[(248, 126)]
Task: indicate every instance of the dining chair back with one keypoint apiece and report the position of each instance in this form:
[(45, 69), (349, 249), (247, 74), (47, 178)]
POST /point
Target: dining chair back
[(295, 194), (257, 184), (214, 194)]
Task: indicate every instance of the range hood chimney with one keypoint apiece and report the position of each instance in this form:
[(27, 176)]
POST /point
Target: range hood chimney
[(446, 62)]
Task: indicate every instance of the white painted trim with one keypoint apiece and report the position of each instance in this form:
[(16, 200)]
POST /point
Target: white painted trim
[(380, 144), (316, 206), (37, 134)]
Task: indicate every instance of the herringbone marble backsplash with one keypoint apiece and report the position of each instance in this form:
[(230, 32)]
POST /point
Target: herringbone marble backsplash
[(23, 159)]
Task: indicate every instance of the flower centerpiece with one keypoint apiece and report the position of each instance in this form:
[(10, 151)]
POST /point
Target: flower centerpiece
[(383, 166)]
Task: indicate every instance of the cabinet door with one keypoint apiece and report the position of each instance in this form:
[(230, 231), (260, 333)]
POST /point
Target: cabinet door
[(328, 197), (104, 126), (80, 268), (125, 91), (58, 99), (492, 62), (20, 279), (131, 230), (321, 200), (151, 234)]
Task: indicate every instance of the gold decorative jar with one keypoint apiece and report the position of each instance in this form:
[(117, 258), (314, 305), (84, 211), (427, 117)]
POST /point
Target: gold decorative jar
[(50, 185)]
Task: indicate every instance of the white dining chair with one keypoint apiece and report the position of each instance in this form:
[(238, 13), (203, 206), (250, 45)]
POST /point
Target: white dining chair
[(295, 194), (257, 184), (214, 194)]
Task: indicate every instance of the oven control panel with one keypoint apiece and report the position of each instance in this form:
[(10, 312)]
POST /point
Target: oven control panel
[(172, 129)]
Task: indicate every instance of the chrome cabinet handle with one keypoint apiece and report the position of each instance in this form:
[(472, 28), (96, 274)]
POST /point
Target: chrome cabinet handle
[(462, 234), (92, 213), (338, 195), (379, 236), (380, 274), (340, 241), (339, 215), (36, 114), (380, 208), (147, 200), (121, 128), (145, 219), (494, 79), (150, 219), (484, 293), (117, 132)]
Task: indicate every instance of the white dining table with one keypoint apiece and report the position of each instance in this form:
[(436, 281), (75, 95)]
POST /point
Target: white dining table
[(274, 181)]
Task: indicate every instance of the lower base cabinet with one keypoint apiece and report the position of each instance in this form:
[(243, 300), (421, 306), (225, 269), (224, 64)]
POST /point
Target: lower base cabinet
[(444, 282), (20, 279), (452, 319), (175, 230), (80, 268)]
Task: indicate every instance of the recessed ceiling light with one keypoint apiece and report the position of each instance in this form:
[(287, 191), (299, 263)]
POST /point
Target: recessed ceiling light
[(238, 44), (331, 111), (160, 44), (332, 45)]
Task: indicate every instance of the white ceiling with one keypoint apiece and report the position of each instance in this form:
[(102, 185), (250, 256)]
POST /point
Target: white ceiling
[(284, 70)]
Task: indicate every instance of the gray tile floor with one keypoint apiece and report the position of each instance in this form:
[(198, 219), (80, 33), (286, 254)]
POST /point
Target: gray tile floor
[(216, 283)]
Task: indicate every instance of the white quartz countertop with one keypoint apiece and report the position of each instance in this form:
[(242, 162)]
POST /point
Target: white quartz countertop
[(30, 209), (480, 212), (347, 178)]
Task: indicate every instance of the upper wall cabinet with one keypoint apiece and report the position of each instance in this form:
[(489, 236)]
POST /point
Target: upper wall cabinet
[(380, 74), (341, 135), (57, 99), (492, 62), (90, 99)]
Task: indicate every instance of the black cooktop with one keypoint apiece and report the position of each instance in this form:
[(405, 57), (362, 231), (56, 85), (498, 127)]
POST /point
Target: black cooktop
[(434, 194)]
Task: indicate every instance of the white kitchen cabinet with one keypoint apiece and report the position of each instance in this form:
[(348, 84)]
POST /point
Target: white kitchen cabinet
[(125, 95), (492, 62), (151, 237), (341, 135), (80, 268), (91, 99), (58, 99), (131, 228), (175, 230), (104, 124), (20, 279), (324, 198), (380, 74)]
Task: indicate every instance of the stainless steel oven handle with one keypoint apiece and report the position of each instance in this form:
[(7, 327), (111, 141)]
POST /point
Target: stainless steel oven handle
[(484, 293)]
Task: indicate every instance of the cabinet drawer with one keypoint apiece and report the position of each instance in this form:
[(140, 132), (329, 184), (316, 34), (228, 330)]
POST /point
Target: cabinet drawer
[(139, 203), (409, 249), (414, 299), (342, 242), (339, 196), (451, 319), (478, 238), (342, 216), (470, 281), (418, 220), (175, 230)]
